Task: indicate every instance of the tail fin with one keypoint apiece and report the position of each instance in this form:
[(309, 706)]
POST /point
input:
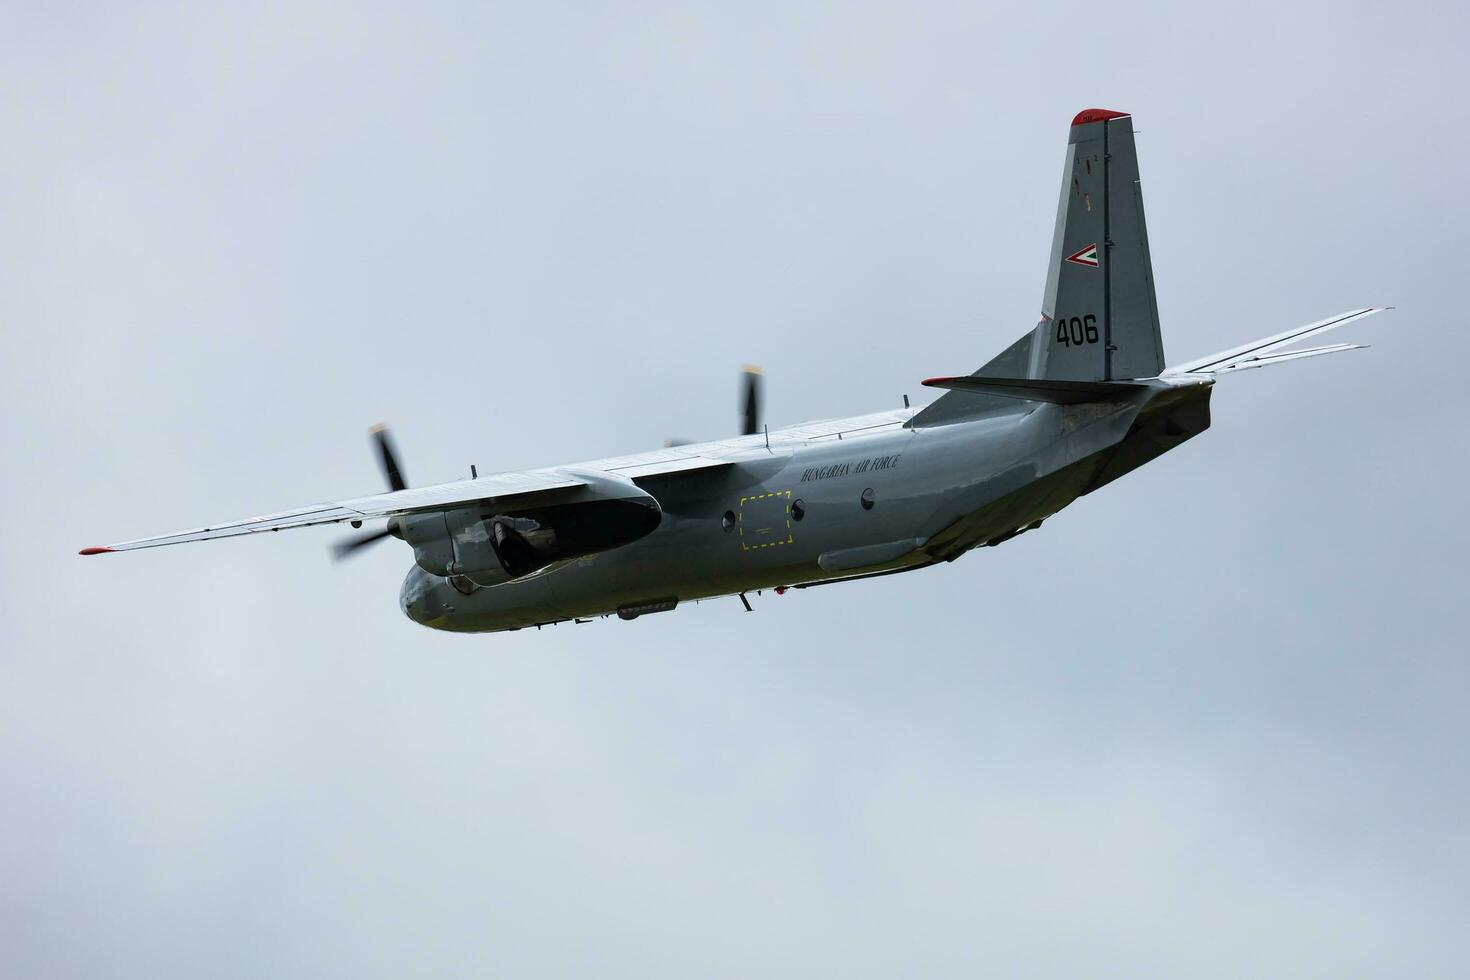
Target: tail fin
[(1099, 317)]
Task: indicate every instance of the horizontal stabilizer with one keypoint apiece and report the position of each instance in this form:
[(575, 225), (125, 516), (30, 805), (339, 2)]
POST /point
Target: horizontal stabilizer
[(1039, 389), (1291, 355), (1259, 353)]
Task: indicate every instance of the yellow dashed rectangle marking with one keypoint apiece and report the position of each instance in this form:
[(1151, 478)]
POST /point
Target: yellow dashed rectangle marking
[(740, 521)]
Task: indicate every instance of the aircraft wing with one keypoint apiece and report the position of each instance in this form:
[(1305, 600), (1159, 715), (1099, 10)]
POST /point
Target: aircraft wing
[(1267, 350), (463, 492), (529, 488), (665, 463)]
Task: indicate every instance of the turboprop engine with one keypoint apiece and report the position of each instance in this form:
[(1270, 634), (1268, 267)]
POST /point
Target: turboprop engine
[(506, 537), (483, 546)]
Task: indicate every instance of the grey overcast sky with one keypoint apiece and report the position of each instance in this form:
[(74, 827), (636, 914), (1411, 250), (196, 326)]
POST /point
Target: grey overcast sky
[(1209, 722)]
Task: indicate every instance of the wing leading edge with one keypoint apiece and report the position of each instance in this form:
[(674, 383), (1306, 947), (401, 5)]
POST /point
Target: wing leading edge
[(392, 504), (532, 488)]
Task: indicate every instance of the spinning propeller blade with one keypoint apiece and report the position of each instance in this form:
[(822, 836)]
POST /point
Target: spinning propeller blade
[(393, 473), (750, 417), (750, 410), (349, 546)]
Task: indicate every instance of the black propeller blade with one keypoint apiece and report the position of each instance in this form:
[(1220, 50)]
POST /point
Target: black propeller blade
[(350, 546), (750, 421), (393, 473), (391, 470)]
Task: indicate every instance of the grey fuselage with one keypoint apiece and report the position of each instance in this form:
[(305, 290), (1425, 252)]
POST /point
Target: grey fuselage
[(789, 510)]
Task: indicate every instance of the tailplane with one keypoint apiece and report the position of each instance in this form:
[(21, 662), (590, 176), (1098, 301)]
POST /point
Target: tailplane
[(1041, 389), (1268, 350)]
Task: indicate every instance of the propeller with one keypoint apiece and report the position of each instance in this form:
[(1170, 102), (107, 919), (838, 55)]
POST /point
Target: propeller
[(393, 473), (750, 412), (349, 546), (750, 419)]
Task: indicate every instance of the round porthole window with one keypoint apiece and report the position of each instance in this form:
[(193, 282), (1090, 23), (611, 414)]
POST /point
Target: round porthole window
[(868, 498), (728, 521), (798, 510)]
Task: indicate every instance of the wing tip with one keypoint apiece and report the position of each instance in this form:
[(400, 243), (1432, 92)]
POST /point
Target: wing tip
[(936, 382), (96, 551)]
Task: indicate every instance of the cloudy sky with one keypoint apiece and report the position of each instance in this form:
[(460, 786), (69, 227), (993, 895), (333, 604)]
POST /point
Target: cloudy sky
[(1209, 722)]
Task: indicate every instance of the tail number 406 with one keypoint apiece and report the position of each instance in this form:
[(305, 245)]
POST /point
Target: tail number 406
[(1077, 330)]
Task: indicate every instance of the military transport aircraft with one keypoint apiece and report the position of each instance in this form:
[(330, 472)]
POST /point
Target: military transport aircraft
[(1079, 400)]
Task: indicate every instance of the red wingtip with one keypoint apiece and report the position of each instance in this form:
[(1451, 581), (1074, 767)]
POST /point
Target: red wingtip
[(935, 382), (1097, 115), (95, 551)]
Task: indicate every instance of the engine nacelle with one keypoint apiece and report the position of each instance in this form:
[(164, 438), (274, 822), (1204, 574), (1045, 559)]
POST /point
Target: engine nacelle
[(473, 547), (458, 544), (428, 535)]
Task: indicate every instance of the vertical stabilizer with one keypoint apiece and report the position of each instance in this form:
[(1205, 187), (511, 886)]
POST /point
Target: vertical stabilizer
[(1099, 319)]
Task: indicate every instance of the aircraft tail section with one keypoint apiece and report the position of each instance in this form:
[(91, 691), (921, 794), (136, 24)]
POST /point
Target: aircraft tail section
[(1099, 318), (1100, 321)]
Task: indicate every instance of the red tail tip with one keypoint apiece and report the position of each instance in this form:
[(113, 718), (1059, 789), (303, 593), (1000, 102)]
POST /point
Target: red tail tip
[(95, 551), (1097, 115)]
